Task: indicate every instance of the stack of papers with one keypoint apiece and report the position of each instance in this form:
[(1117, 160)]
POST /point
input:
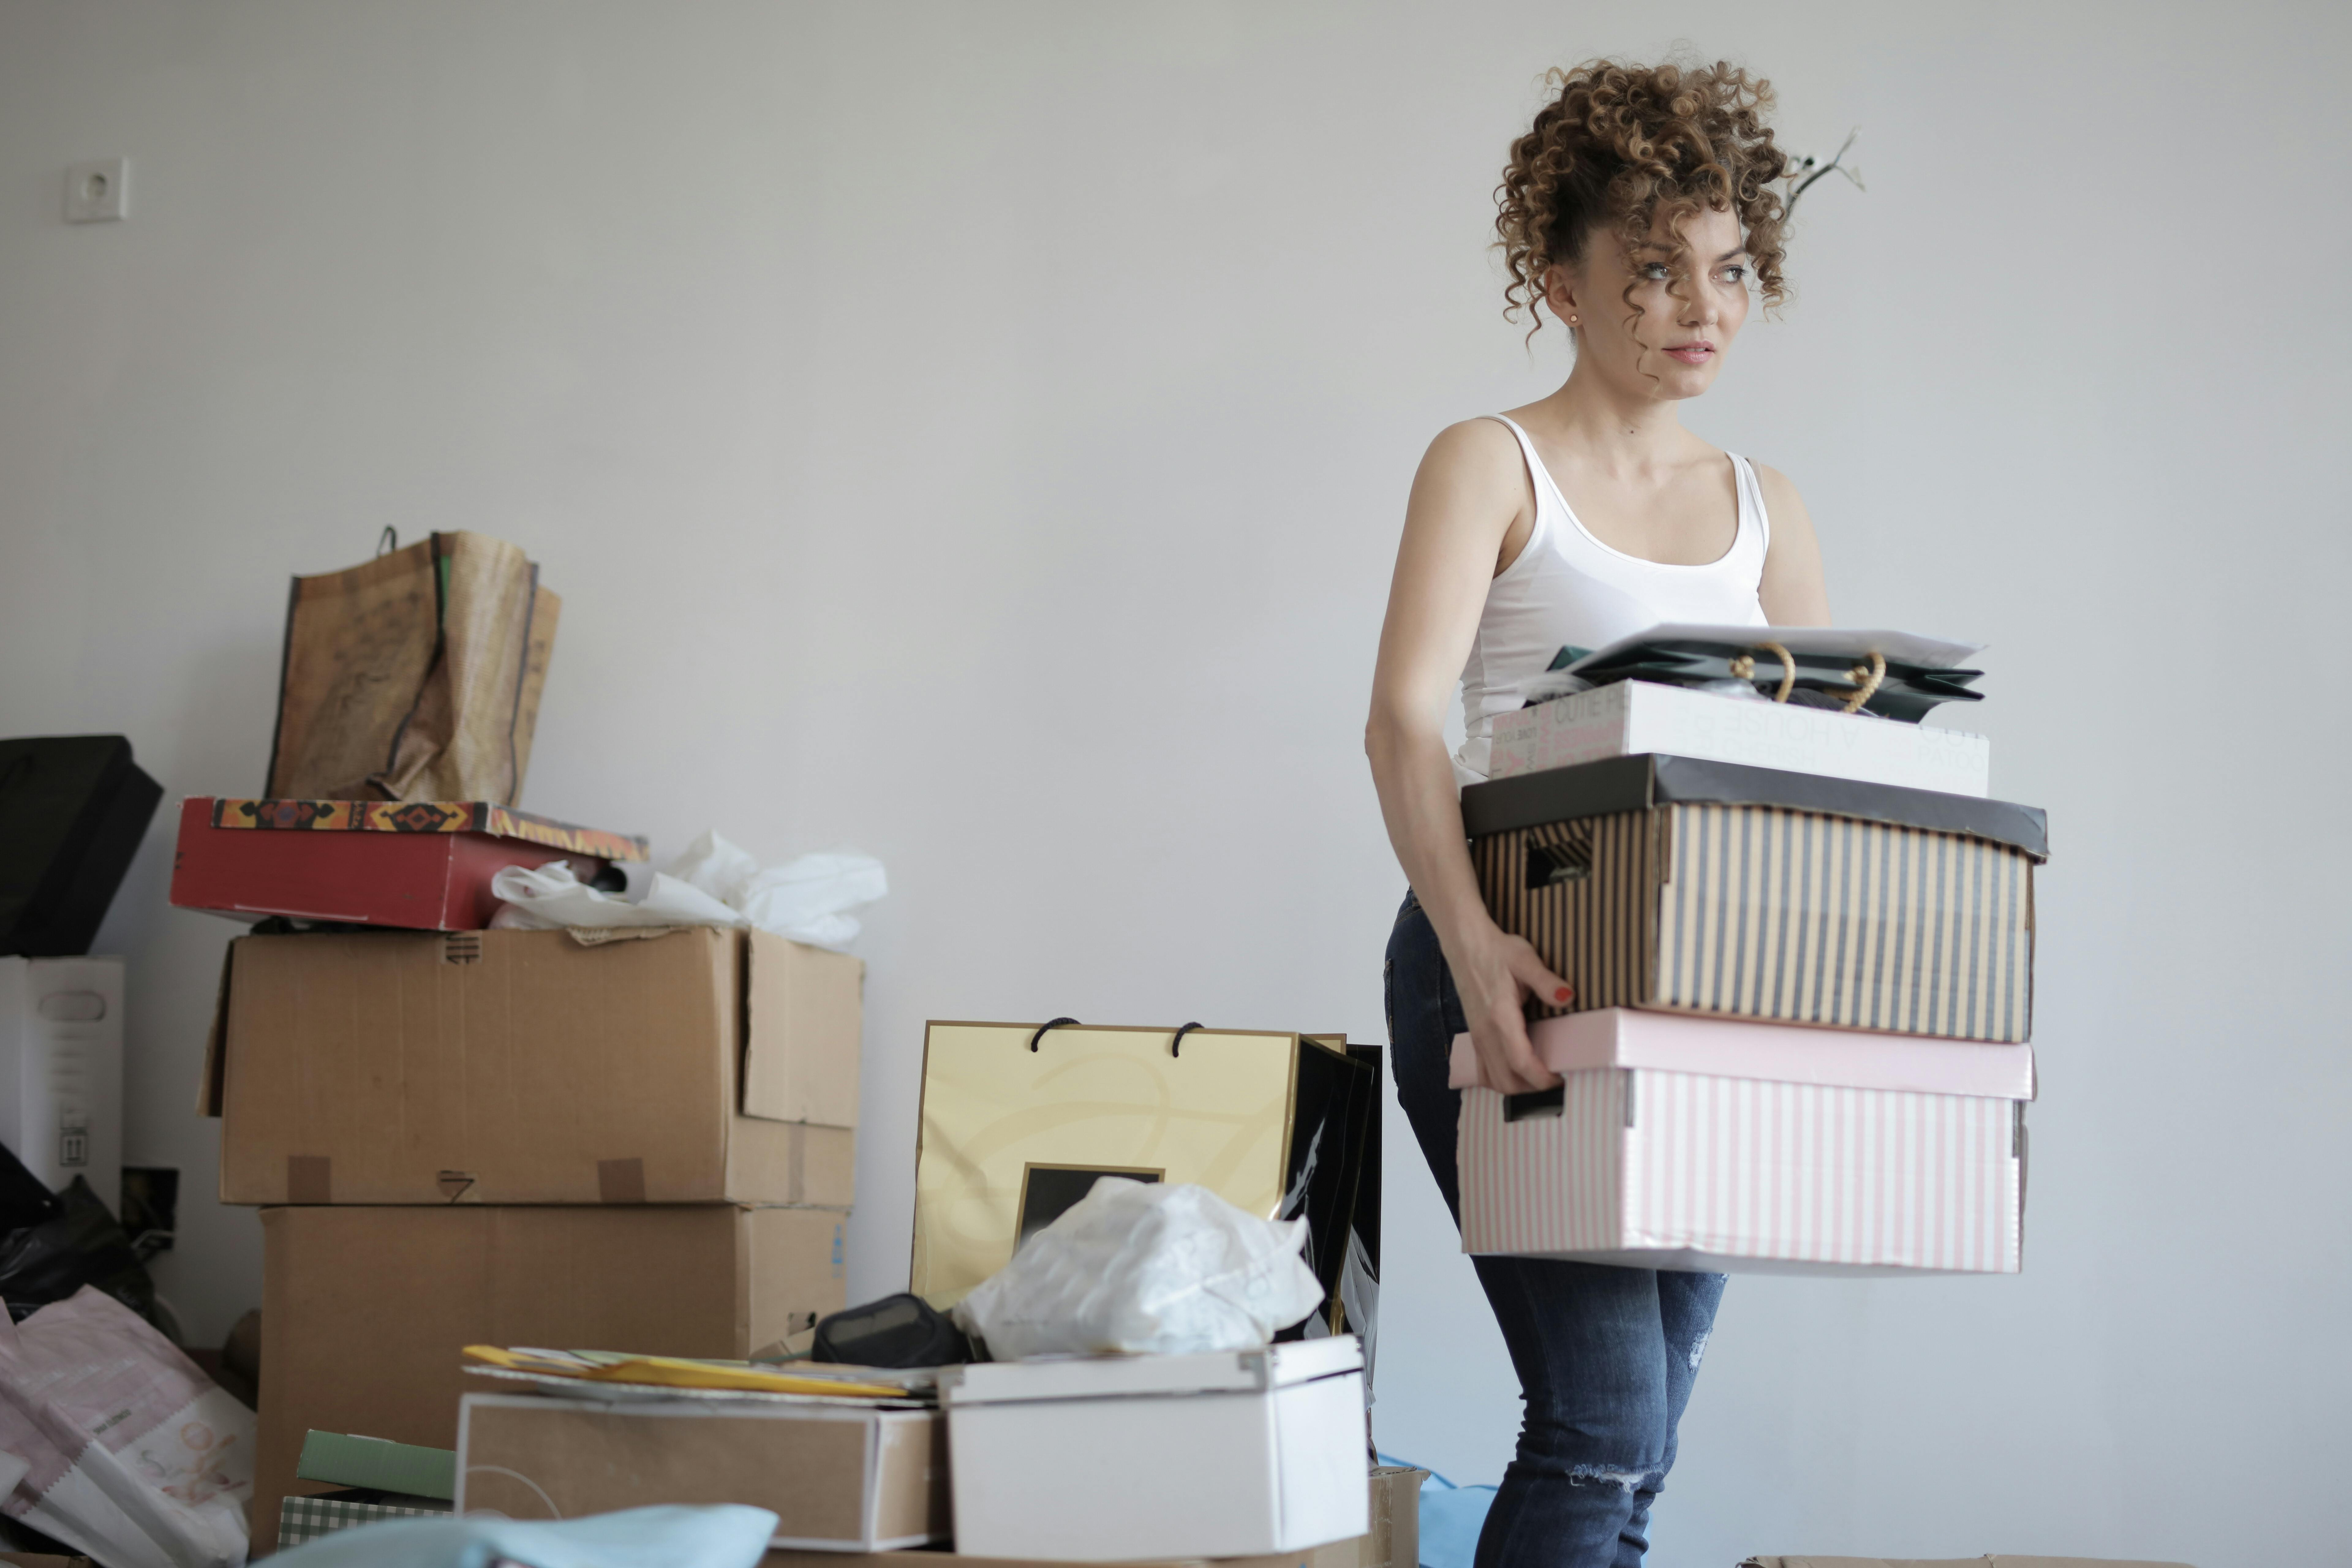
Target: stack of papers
[(610, 1375)]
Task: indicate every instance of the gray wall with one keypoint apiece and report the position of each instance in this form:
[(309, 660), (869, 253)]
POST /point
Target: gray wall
[(979, 433)]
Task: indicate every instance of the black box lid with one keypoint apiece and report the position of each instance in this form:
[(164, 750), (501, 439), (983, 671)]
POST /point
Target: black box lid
[(1638, 782)]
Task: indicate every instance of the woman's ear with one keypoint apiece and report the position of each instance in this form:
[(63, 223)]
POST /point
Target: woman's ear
[(1559, 293)]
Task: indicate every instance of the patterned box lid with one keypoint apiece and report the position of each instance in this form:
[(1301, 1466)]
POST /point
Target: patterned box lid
[(427, 817)]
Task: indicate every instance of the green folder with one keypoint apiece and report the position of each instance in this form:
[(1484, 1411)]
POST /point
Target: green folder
[(352, 1461)]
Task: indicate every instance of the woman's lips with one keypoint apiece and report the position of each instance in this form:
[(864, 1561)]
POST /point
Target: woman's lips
[(1693, 353)]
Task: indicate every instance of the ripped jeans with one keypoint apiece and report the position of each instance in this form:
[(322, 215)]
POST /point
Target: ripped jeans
[(1606, 1356)]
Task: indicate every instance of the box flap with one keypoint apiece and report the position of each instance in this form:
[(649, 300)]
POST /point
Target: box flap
[(1110, 1376), (1778, 1053), (208, 1087), (1638, 782), (804, 1017)]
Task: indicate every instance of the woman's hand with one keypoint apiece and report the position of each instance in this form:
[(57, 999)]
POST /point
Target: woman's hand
[(1494, 972)]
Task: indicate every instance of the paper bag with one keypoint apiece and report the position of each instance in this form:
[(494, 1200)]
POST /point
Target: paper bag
[(118, 1447), (414, 677), (1012, 1136)]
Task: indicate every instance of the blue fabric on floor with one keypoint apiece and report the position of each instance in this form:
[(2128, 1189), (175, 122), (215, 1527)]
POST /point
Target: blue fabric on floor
[(726, 1536), (1451, 1517)]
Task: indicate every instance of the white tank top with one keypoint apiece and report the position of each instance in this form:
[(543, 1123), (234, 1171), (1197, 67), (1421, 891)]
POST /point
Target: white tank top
[(1568, 588)]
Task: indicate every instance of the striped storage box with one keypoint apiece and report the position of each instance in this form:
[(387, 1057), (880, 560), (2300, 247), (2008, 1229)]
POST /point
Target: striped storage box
[(1713, 1144), (1711, 888)]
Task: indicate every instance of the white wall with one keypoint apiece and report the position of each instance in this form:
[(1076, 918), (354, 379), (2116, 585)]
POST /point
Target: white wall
[(979, 433)]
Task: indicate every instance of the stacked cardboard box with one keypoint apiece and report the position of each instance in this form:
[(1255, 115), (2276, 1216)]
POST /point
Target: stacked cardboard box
[(1845, 1087), (520, 1138)]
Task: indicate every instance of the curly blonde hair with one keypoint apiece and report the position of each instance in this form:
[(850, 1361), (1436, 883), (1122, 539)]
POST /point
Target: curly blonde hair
[(1617, 145)]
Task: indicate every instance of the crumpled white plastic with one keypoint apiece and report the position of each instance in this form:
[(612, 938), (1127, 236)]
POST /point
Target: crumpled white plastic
[(712, 883), (1145, 1267)]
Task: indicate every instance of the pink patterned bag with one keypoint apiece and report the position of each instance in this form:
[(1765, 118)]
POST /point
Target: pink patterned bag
[(116, 1444)]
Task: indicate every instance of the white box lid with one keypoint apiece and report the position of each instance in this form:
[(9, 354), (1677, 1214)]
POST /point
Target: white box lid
[(1251, 1371)]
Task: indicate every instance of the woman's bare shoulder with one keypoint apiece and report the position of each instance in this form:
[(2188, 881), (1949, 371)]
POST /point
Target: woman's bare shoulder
[(1782, 504)]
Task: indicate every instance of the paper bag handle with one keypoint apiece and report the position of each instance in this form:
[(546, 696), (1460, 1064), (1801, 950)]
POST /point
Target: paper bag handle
[(1052, 1023)]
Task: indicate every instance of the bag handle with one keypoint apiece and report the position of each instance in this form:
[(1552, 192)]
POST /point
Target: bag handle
[(1051, 1024), (1179, 1039), (1866, 678)]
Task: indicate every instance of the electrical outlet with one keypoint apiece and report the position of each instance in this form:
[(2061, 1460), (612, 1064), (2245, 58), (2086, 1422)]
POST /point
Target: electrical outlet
[(98, 192)]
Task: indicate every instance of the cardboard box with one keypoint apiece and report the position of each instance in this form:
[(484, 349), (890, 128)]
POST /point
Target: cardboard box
[(1019, 1120), (2002, 1559), (417, 864), (524, 1067), (1736, 1047), (1105, 1458), (61, 1070), (838, 1478), (1631, 717), (1701, 887), (1393, 1541), (302, 1519), (366, 1311), (1697, 1144)]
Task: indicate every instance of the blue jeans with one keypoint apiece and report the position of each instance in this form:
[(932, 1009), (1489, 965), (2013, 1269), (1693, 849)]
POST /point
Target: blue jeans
[(1605, 1356)]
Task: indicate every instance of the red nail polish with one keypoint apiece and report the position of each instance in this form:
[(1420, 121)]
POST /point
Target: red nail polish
[(1562, 994)]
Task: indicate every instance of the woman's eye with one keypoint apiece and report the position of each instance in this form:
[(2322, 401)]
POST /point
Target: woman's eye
[(1656, 271), (1734, 274)]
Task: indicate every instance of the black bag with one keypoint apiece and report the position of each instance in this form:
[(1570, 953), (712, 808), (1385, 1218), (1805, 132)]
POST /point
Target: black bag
[(896, 1331), (82, 1246), (1892, 688), (72, 811)]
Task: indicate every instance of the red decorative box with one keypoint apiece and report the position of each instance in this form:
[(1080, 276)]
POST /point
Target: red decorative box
[(419, 864)]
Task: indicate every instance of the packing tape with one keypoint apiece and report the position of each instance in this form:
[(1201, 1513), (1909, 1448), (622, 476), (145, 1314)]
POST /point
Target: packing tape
[(620, 1181), (309, 1179)]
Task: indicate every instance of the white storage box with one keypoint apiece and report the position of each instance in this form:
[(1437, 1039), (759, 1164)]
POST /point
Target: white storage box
[(1678, 1142), (1630, 717), (61, 1070), (1115, 1458)]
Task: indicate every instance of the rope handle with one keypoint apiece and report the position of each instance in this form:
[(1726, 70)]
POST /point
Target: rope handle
[(1866, 679), (1052, 1023), (1179, 1039)]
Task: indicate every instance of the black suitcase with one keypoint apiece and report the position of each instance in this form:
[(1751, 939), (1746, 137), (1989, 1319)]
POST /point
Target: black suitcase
[(72, 811)]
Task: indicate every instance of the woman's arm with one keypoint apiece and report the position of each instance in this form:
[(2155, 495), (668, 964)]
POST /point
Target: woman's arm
[(1792, 590), (1470, 492)]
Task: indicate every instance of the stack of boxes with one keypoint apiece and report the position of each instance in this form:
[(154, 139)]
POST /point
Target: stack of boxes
[(1799, 1037), (524, 1138)]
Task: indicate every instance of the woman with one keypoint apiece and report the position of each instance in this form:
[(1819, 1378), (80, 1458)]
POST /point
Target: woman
[(1640, 211)]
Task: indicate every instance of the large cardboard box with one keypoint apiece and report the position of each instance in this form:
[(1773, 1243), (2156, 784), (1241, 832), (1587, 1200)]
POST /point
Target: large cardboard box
[(1737, 1147), (503, 1066), (1703, 886), (1627, 718), (417, 864), (61, 1070), (1103, 1458), (1019, 1120), (366, 1311), (838, 1478)]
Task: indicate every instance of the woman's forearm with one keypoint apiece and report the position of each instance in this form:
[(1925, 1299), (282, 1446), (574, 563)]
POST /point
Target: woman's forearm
[(1423, 808)]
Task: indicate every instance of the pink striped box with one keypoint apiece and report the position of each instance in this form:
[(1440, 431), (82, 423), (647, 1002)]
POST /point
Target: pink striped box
[(1681, 1143)]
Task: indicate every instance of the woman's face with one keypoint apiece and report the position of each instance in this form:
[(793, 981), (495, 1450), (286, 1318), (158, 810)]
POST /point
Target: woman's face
[(1674, 347)]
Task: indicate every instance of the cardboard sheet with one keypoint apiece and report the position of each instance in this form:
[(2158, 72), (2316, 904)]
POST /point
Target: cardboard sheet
[(524, 1067), (367, 1310)]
